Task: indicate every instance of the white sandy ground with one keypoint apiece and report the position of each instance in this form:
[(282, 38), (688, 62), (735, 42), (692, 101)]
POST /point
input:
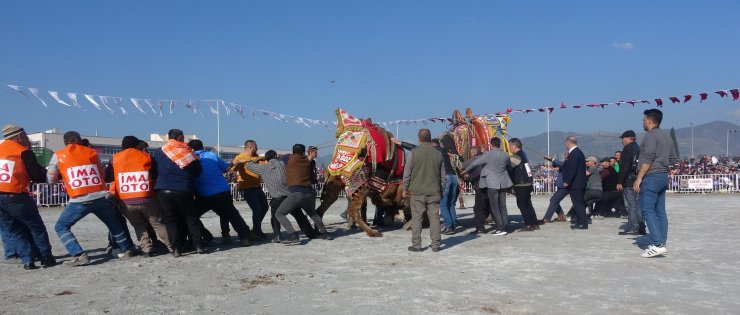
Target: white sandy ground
[(551, 271)]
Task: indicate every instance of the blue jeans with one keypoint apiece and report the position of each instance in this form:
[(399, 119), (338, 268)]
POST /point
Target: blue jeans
[(257, 201), (101, 208), (447, 203), (22, 225), (652, 204)]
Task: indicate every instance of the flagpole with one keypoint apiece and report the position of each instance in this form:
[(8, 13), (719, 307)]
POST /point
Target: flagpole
[(549, 172), (218, 128)]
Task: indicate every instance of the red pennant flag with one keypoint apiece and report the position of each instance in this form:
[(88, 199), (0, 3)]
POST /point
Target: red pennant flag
[(603, 105), (686, 98), (562, 105), (528, 110), (721, 93), (632, 102), (541, 110), (550, 109), (659, 102), (703, 96), (674, 99), (509, 110), (735, 94), (645, 102), (577, 106)]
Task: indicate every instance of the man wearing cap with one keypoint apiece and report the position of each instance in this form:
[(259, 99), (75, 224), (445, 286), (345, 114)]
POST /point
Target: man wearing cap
[(132, 184), (610, 195), (625, 179), (80, 169), (20, 221)]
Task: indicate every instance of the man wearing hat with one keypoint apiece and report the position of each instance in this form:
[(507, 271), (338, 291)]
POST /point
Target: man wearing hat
[(19, 217), (132, 185), (593, 184), (625, 179), (82, 173)]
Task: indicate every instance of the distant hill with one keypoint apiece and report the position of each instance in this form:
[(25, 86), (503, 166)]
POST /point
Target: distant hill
[(708, 139)]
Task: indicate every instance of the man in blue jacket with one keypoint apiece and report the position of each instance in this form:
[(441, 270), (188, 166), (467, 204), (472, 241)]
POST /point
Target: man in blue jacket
[(574, 181), (213, 192)]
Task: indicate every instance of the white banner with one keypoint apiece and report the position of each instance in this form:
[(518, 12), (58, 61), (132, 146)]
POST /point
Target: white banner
[(701, 183)]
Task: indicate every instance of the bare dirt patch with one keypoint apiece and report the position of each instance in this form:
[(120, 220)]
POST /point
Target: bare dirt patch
[(261, 280)]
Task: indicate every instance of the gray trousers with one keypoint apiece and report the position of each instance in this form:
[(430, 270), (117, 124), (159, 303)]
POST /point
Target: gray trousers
[(425, 205), (141, 214), (497, 198), (632, 203), (305, 201)]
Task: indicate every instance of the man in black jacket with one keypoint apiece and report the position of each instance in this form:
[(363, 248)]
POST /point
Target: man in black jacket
[(521, 176), (574, 180), (626, 178)]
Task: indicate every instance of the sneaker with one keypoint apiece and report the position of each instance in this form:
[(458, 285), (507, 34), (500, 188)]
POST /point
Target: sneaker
[(499, 233), (293, 239), (414, 249), (175, 252), (275, 239), (125, 255), (653, 251), (199, 250), (436, 249), (628, 233), (30, 266), (449, 232), (324, 236), (48, 262), (80, 260)]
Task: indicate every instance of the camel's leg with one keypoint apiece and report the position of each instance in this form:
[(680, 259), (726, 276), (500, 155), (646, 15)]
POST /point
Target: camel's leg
[(354, 212), (332, 187)]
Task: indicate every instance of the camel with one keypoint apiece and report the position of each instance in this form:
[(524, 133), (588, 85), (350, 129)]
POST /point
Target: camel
[(367, 164)]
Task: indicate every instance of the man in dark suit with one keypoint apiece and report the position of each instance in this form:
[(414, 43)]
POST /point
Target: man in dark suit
[(574, 180)]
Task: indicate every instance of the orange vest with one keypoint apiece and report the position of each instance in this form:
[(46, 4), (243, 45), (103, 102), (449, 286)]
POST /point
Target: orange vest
[(131, 170), (80, 170), (13, 175)]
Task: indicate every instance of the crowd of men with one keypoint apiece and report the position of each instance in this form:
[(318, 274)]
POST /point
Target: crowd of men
[(164, 194)]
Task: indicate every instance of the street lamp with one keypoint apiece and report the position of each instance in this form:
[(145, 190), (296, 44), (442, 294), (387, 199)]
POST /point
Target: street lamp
[(692, 138), (727, 147)]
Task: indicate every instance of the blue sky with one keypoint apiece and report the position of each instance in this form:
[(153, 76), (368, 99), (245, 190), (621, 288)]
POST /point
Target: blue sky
[(390, 60)]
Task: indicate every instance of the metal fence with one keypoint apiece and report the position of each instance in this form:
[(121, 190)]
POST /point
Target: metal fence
[(54, 195)]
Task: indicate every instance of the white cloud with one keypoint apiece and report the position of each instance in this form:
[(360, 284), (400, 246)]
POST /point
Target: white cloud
[(623, 46)]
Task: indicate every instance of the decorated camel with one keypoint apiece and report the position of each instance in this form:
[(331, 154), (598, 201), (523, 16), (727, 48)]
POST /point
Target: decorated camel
[(366, 163)]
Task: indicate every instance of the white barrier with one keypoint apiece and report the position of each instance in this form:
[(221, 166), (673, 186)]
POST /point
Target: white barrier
[(53, 195)]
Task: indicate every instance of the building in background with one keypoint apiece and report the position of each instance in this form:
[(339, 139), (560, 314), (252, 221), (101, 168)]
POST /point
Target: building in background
[(44, 144)]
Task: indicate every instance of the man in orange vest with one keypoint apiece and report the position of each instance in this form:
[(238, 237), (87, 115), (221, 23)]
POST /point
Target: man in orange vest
[(132, 184), (80, 169), (19, 216)]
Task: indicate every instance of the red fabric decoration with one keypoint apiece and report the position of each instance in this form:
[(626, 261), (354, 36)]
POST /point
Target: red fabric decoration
[(721, 93), (735, 94), (659, 102), (703, 97), (674, 99), (562, 105), (686, 98)]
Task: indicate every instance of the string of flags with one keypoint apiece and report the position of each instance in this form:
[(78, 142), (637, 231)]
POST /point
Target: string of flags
[(158, 107)]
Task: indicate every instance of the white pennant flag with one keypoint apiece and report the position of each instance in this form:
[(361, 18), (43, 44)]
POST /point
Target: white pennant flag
[(301, 121), (73, 98), (19, 90), (55, 96), (104, 101), (210, 106), (35, 93), (239, 109), (197, 108), (117, 101), (137, 105), (228, 110), (189, 105), (161, 107), (151, 106), (254, 115), (91, 99), (172, 106)]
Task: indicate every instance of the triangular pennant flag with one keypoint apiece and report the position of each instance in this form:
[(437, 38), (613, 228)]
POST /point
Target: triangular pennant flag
[(160, 103), (73, 98), (576, 106), (721, 93), (137, 105), (562, 105), (210, 106), (55, 96), (735, 94), (228, 111), (19, 90), (550, 109), (91, 99), (117, 101), (541, 110), (703, 97), (659, 102), (645, 102), (35, 93), (172, 106), (238, 108), (189, 105), (674, 99), (151, 106), (104, 101), (686, 98)]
